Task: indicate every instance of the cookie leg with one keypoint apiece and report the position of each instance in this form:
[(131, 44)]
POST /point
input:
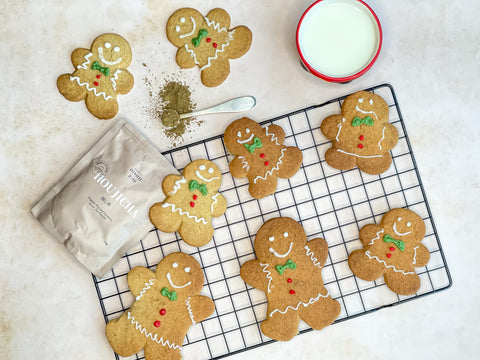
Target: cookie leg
[(101, 108), (339, 160), (375, 166), (195, 234), (402, 284), (158, 352), (71, 90), (217, 73), (291, 162), (363, 267), (262, 188), (321, 313), (124, 339), (164, 219), (281, 326)]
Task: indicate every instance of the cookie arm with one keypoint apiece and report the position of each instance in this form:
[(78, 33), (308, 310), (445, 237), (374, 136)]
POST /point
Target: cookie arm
[(275, 132), (391, 137), (168, 184), (329, 126), (220, 16), (369, 232), (78, 56), (201, 307), (220, 206), (138, 278), (239, 167), (184, 59), (254, 275), (317, 249), (422, 256), (125, 82)]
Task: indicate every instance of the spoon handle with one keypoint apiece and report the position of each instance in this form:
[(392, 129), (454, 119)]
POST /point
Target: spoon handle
[(238, 104)]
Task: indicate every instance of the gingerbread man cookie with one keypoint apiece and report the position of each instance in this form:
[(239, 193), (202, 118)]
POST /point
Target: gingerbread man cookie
[(100, 75), (166, 305), (289, 271), (361, 136), (207, 42), (392, 249), (192, 200), (260, 155)]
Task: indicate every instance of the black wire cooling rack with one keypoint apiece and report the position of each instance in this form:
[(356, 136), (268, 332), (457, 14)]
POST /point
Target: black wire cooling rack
[(329, 203)]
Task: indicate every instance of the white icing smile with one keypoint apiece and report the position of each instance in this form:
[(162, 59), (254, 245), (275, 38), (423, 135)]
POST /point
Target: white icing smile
[(245, 141), (176, 286), (105, 61), (366, 112), (399, 233), (210, 171), (194, 25), (281, 255)]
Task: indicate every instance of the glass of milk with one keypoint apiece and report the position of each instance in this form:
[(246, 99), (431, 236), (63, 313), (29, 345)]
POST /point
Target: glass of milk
[(339, 40)]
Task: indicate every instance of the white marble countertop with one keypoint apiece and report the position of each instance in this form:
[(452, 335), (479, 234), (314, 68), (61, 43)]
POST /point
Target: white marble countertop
[(431, 55)]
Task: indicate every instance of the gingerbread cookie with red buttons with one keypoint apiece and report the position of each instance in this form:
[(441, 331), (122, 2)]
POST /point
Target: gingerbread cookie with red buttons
[(289, 270), (191, 203), (392, 249), (167, 303), (100, 75), (361, 135), (207, 42), (260, 155)]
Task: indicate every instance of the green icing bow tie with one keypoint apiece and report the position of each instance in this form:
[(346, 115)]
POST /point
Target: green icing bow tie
[(367, 120), (288, 265), (193, 185), (256, 144), (104, 70), (398, 243), (172, 296), (201, 34)]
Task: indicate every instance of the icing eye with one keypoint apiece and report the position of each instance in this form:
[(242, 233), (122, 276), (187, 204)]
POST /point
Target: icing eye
[(409, 224), (116, 49), (271, 238), (174, 265), (285, 234), (210, 171), (182, 19), (360, 100), (371, 102), (187, 269), (399, 219), (247, 130), (177, 28), (107, 45), (202, 167), (239, 134)]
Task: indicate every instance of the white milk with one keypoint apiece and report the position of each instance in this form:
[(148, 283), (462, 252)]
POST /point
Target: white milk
[(338, 38)]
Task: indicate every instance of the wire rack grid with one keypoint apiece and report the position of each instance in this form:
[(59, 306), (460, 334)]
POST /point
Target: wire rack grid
[(330, 204)]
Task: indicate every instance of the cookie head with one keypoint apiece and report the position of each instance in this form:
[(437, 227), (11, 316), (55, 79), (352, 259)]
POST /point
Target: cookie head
[(204, 172), (240, 132), (404, 225), (112, 50), (365, 108), (280, 239), (181, 273), (183, 25)]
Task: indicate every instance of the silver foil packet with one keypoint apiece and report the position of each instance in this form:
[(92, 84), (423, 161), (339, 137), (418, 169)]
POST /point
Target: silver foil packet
[(99, 209)]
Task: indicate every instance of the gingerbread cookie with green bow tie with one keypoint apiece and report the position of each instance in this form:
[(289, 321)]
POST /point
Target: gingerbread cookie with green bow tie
[(100, 75), (207, 42), (289, 270), (361, 135), (260, 155), (392, 249), (191, 203), (167, 303)]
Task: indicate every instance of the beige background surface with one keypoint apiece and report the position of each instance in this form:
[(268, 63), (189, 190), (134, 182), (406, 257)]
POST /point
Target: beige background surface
[(431, 55)]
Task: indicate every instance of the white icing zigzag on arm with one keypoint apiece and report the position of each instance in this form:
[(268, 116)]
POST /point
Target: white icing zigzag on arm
[(84, 65), (214, 197), (339, 129), (311, 301), (244, 163), (147, 286), (383, 137), (181, 212), (189, 308), (192, 54), (272, 135), (269, 172), (385, 264), (177, 185), (415, 254), (314, 259), (73, 78), (149, 335), (376, 238), (216, 25), (114, 79), (268, 274)]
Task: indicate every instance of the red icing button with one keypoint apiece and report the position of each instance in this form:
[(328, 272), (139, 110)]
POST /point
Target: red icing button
[(392, 249), (99, 76), (362, 137), (389, 255), (360, 146), (195, 197), (289, 280), (214, 45), (208, 39), (292, 292), (192, 204), (262, 155), (266, 163), (162, 312), (156, 323), (95, 83)]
